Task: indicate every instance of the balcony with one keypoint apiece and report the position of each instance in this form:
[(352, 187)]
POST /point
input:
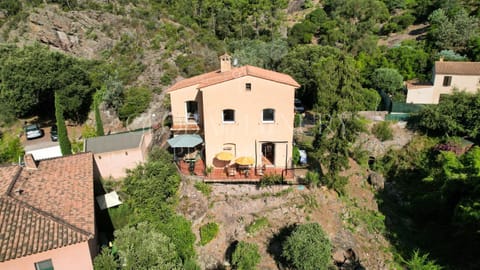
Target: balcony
[(187, 125)]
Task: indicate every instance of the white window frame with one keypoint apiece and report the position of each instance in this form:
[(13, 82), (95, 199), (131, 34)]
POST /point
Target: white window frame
[(263, 116)]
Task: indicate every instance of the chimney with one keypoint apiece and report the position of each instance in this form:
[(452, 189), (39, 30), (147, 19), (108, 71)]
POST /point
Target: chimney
[(441, 58), (225, 63), (30, 162)]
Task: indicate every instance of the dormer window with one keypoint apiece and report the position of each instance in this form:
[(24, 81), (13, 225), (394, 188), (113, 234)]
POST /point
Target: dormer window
[(268, 115), (447, 80), (248, 87), (228, 116)]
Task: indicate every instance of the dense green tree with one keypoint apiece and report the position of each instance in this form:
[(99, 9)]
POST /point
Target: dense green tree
[(179, 230), (152, 188), (410, 59), (245, 256), (98, 118), (65, 145), (439, 188), (259, 53), (452, 31), (141, 247), (390, 81), (455, 115), (329, 79), (308, 247), (333, 139), (30, 76)]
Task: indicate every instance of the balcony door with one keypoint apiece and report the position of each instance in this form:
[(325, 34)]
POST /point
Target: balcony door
[(192, 111), (268, 152)]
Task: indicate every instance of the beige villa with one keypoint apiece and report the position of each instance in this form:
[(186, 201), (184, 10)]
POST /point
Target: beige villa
[(47, 214), (464, 76), (238, 112)]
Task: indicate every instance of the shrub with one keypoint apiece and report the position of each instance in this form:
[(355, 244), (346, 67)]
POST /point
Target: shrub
[(105, 260), (179, 229), (295, 155), (204, 188), (245, 256), (312, 179), (307, 248), (136, 101), (418, 261), (10, 148), (298, 120), (208, 232), (270, 179), (382, 131), (257, 225)]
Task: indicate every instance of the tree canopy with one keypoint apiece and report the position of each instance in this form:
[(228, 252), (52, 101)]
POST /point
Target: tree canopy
[(32, 75)]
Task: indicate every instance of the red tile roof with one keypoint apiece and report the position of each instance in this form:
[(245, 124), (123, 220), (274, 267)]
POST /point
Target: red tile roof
[(216, 77), (46, 208), (457, 68)]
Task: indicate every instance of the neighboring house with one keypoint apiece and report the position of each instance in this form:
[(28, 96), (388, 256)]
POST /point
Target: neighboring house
[(246, 111), (47, 214), (116, 153), (464, 76)]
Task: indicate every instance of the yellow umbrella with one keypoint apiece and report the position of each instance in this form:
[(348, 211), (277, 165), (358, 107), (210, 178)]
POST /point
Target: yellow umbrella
[(224, 156), (244, 161)]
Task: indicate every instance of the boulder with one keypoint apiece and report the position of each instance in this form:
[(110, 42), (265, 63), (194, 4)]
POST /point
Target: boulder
[(376, 180)]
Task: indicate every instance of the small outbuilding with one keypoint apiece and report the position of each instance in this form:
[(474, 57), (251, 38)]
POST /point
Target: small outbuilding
[(116, 153)]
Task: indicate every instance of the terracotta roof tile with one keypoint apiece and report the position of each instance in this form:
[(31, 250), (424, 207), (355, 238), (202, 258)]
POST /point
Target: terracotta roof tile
[(216, 77), (46, 208), (457, 68)]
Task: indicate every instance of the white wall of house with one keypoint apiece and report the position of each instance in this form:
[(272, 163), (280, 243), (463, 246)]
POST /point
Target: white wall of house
[(420, 95)]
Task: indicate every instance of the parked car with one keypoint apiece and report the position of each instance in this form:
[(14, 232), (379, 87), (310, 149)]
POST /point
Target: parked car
[(54, 133), (33, 131), (298, 106)]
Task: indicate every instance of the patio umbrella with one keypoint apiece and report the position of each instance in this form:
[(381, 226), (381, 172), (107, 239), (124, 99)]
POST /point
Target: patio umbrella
[(185, 140), (224, 156), (244, 161)]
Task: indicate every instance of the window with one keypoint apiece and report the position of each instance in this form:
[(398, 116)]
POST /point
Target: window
[(248, 86), (447, 80), (228, 116), (44, 265), (268, 115)]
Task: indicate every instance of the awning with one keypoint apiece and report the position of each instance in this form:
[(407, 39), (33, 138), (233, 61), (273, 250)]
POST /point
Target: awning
[(185, 140)]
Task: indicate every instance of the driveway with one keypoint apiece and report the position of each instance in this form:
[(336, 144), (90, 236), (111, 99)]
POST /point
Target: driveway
[(39, 143)]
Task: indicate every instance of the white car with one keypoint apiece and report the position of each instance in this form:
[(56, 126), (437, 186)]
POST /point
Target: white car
[(33, 131)]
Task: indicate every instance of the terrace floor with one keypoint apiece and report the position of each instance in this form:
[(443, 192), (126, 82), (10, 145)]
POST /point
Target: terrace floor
[(234, 174)]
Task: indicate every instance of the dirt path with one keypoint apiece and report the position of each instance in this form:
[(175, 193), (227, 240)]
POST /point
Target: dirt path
[(416, 31)]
